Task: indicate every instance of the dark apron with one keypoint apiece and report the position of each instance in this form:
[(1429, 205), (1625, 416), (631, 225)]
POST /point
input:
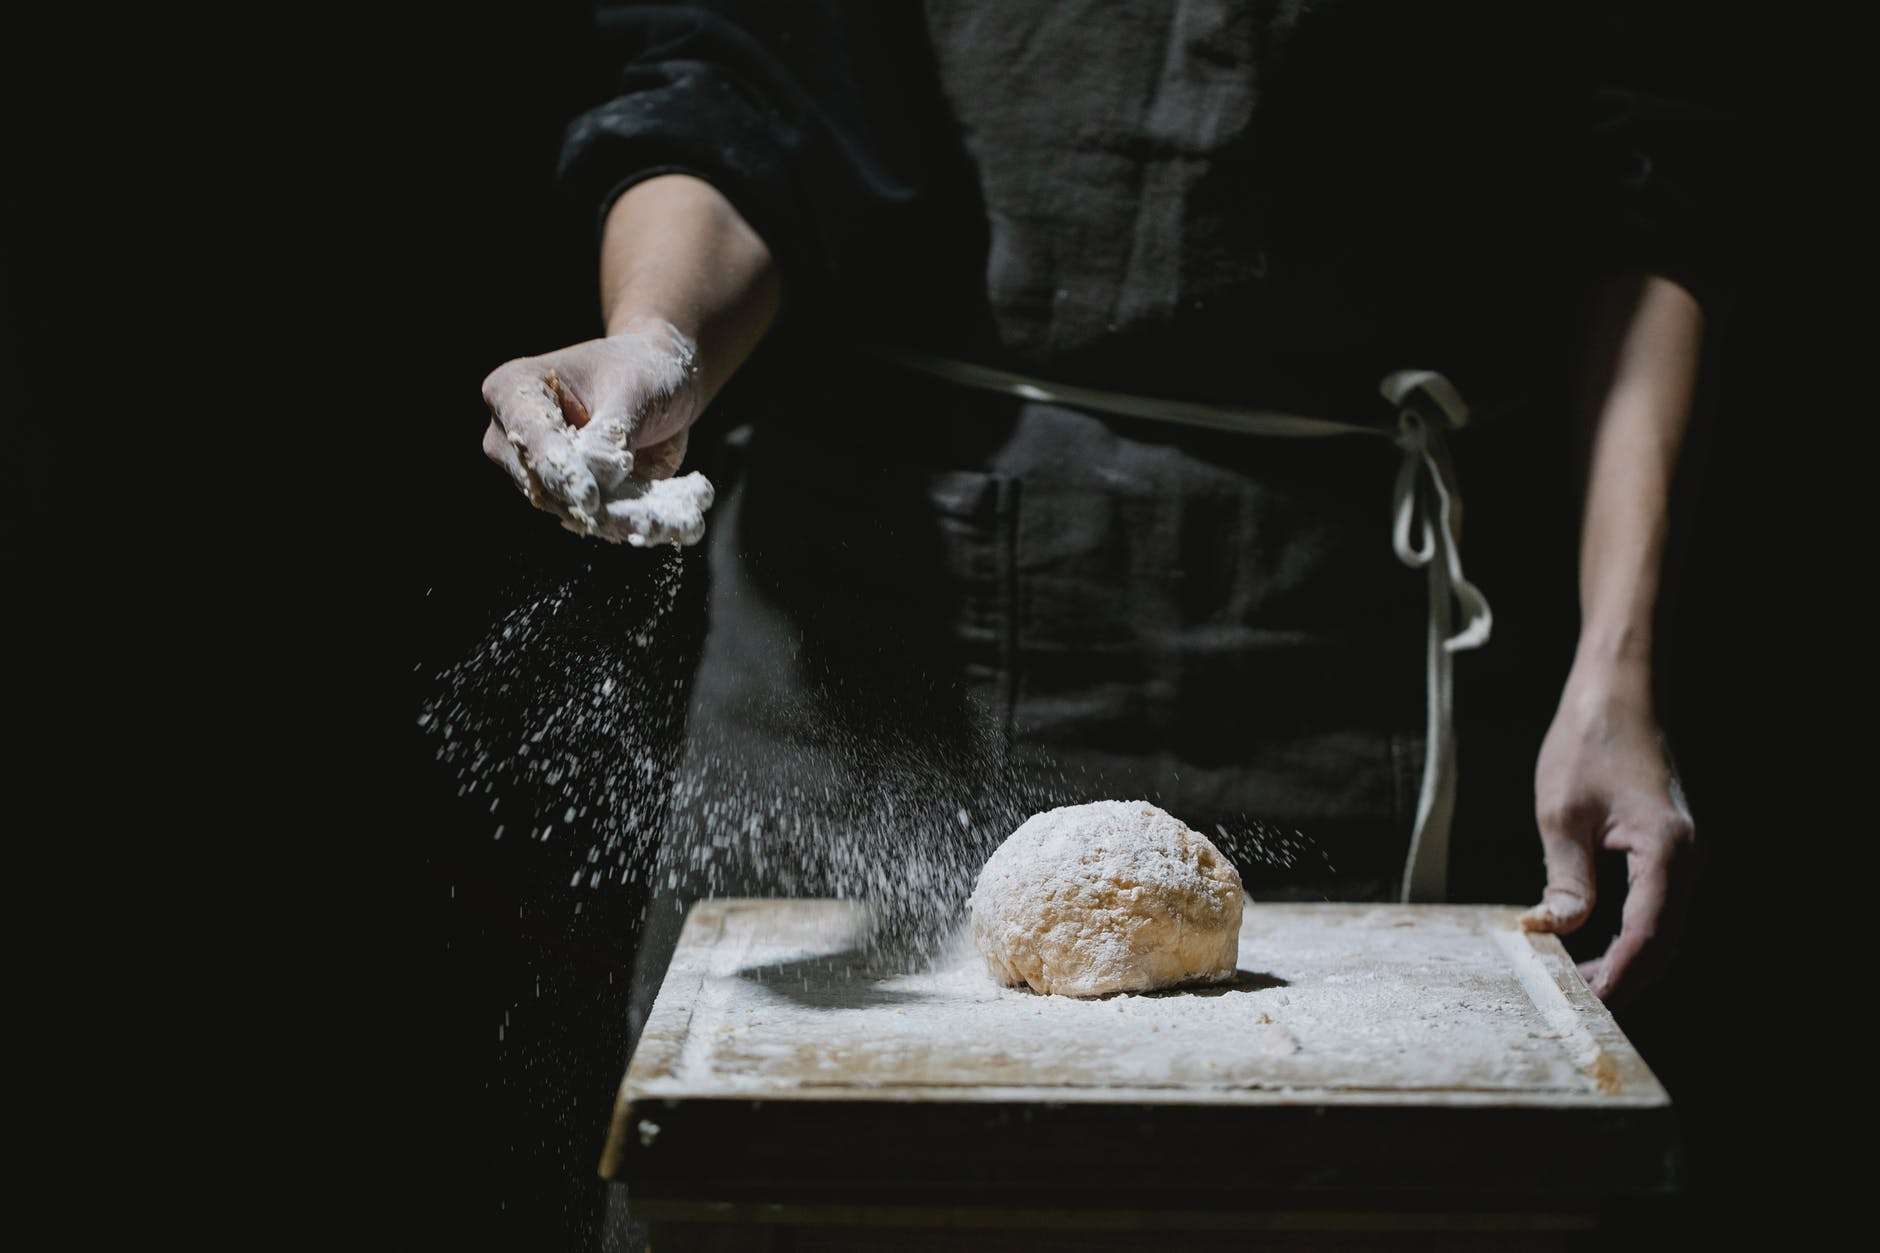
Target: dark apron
[(935, 610)]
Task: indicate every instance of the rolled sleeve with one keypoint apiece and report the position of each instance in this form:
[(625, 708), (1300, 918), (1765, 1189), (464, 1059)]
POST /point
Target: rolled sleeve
[(1663, 172), (764, 101)]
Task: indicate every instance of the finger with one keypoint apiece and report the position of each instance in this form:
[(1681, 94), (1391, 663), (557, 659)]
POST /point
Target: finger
[(601, 438), (602, 441), (528, 409), (496, 448), (668, 511), (1632, 958), (1648, 922), (1636, 953), (1567, 847), (603, 446)]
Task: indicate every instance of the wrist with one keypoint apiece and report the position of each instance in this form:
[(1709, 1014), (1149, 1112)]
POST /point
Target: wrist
[(1601, 678), (1617, 643), (647, 319), (652, 328), (667, 364)]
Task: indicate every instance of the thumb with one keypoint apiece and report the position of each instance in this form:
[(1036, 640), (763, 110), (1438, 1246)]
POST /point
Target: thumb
[(1567, 846)]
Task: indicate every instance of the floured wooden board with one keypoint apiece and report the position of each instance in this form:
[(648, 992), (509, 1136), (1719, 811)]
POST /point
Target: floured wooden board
[(771, 1005)]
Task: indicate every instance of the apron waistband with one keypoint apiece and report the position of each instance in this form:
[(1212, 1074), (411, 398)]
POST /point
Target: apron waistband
[(1428, 538)]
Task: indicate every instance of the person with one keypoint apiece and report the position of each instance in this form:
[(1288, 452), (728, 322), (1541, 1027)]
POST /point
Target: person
[(1049, 339)]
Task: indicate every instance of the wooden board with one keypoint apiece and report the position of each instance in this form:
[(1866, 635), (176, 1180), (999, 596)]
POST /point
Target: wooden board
[(1359, 1047)]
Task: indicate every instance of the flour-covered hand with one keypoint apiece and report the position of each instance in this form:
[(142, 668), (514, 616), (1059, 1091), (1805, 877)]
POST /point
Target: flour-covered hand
[(1605, 782), (594, 434)]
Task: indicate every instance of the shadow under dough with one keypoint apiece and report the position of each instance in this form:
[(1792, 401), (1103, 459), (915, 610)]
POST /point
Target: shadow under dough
[(851, 979), (1239, 981)]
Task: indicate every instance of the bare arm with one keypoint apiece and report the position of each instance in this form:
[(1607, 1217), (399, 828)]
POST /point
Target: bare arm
[(675, 250), (1604, 780), (1637, 421)]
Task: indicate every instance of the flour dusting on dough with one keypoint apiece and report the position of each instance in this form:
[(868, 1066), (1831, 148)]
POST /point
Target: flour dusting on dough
[(1115, 896)]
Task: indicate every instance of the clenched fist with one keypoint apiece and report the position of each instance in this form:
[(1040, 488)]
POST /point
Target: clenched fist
[(594, 434)]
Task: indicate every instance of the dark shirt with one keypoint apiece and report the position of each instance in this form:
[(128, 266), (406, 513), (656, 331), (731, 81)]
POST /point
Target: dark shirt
[(1268, 203)]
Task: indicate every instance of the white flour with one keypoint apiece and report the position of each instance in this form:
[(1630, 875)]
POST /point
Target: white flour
[(661, 511), (1327, 999)]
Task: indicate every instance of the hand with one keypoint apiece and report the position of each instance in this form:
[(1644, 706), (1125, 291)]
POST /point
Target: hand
[(594, 433), (1604, 781)]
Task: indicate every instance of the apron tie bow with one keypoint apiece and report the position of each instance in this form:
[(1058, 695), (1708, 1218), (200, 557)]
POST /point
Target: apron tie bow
[(1426, 494)]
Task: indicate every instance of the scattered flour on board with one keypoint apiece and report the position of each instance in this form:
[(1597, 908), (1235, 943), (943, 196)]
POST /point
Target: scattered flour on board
[(1383, 997)]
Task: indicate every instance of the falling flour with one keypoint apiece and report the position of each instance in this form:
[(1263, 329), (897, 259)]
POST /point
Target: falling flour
[(567, 725)]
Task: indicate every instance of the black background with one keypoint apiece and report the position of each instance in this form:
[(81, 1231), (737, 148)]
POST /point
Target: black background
[(428, 192)]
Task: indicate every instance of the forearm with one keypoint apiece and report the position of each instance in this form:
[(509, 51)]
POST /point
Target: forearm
[(1637, 406), (675, 249)]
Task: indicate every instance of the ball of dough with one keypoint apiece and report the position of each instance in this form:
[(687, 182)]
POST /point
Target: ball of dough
[(1115, 896)]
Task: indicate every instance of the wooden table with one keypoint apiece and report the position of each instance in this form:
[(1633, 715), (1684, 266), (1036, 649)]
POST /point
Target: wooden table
[(1400, 1076)]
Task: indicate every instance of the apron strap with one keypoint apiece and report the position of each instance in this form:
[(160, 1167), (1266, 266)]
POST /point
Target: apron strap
[(1427, 477), (1180, 412), (1426, 534)]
